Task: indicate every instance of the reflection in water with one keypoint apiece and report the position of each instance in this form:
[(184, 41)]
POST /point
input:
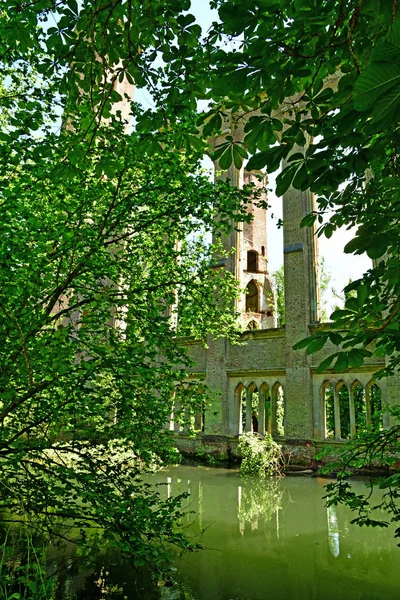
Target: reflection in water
[(276, 539), (264, 539), (333, 531), (258, 500)]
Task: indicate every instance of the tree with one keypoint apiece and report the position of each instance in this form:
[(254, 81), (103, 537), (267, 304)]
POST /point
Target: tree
[(314, 83), (318, 84), (97, 239), (330, 78)]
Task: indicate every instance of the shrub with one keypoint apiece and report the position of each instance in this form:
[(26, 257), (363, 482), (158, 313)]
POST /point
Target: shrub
[(261, 456)]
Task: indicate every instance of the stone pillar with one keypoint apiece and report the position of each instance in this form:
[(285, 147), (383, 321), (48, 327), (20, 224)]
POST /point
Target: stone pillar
[(249, 410), (301, 309), (352, 413), (261, 412), (217, 415), (338, 433), (390, 397)]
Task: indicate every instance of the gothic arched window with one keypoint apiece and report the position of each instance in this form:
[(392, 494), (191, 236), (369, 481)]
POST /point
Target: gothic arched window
[(252, 302)]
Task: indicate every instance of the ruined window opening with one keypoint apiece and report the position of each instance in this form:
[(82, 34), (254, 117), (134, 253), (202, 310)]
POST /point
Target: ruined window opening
[(242, 425), (252, 325), (252, 299), (263, 250), (360, 408), (267, 411), (252, 260), (374, 406), (344, 411), (329, 411), (255, 410), (280, 411)]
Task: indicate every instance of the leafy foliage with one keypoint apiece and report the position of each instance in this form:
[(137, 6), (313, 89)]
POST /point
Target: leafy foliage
[(97, 241), (331, 81), (260, 500), (28, 581), (373, 450), (261, 456)]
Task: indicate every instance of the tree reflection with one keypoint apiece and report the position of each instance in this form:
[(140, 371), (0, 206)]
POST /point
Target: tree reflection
[(258, 500)]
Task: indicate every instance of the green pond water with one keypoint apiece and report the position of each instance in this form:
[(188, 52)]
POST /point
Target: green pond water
[(264, 539), (276, 539)]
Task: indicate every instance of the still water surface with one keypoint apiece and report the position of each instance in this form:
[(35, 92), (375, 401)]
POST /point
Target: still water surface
[(277, 540), (264, 539)]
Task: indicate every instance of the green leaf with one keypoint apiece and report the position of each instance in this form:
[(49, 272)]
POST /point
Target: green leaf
[(225, 160), (326, 364), (375, 82), (352, 304), (378, 247), (335, 338), (302, 344), (356, 358), (362, 295), (353, 246), (284, 180), (341, 363), (337, 315), (316, 344)]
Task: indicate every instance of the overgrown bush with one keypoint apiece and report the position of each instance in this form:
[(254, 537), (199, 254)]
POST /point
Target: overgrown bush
[(23, 570), (261, 456)]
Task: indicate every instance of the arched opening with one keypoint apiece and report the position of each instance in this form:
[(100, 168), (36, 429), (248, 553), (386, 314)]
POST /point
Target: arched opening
[(278, 410), (360, 409), (240, 403), (252, 261), (252, 300), (374, 405), (252, 325), (263, 250), (344, 428), (252, 408), (265, 410), (328, 410)]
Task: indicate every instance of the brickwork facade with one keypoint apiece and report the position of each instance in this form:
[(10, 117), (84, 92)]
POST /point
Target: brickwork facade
[(265, 385)]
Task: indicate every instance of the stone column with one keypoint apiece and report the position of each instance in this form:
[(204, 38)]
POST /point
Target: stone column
[(390, 397), (301, 309), (249, 410), (338, 433), (217, 415), (352, 413), (261, 412)]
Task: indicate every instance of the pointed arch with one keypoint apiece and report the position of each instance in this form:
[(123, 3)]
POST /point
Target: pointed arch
[(252, 297), (373, 401), (358, 409), (252, 407), (328, 409), (265, 409), (240, 400), (278, 409), (342, 411)]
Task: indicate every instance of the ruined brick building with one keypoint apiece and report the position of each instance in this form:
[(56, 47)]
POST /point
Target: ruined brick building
[(265, 385)]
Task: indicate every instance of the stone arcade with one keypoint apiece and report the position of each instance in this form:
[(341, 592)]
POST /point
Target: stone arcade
[(265, 385)]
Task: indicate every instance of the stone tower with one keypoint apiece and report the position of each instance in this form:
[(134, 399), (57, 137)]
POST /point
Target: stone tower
[(249, 260), (257, 304)]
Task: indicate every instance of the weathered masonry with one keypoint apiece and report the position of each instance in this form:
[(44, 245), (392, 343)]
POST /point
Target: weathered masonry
[(265, 385)]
